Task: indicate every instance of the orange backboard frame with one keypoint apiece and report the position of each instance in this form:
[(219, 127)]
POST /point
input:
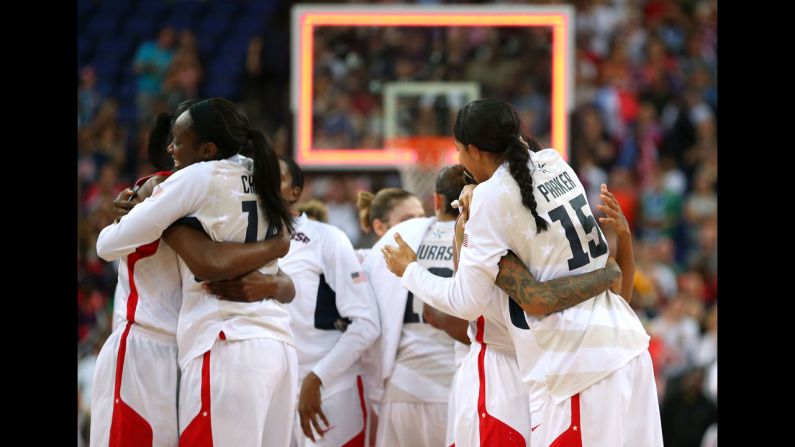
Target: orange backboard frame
[(306, 18)]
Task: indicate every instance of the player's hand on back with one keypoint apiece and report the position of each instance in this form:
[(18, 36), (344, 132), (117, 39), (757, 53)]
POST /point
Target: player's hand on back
[(122, 205), (127, 199), (248, 288), (465, 199), (398, 258)]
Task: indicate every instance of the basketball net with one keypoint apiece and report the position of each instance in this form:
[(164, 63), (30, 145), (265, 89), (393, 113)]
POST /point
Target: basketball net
[(431, 153)]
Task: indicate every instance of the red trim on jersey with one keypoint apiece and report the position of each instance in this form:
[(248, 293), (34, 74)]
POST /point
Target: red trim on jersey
[(143, 179), (358, 440), (572, 437), (199, 433), (144, 251), (127, 427), (493, 431)]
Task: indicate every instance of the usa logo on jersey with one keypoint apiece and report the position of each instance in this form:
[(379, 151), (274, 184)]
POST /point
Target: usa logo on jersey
[(358, 277)]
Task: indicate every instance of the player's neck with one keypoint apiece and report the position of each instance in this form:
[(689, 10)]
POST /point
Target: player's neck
[(443, 217)]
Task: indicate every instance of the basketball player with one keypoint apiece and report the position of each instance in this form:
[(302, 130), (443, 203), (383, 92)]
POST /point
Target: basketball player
[(134, 397), (237, 361), (588, 368), (377, 213), (418, 359), (334, 318)]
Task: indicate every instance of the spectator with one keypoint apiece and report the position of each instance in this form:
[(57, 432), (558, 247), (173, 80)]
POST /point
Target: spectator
[(152, 61)]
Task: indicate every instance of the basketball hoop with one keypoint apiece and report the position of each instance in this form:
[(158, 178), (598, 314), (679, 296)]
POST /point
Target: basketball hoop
[(430, 155)]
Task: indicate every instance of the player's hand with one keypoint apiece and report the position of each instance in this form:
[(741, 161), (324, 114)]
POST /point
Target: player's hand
[(614, 216), (458, 238), (398, 258), (248, 288), (613, 267), (309, 407), (465, 199), (122, 205)]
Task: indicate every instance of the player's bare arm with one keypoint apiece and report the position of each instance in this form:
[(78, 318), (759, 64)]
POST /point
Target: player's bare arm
[(543, 298), (212, 260), (254, 286), (535, 297), (455, 327), (624, 252)]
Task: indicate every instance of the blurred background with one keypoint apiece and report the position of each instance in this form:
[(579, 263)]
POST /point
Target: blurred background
[(644, 122)]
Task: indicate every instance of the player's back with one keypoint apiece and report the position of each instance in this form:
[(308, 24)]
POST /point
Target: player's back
[(316, 322), (148, 291), (230, 211), (425, 359), (566, 351)]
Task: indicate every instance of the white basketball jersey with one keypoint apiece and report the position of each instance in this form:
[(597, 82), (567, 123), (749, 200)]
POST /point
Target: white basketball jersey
[(218, 197), (425, 361), (149, 291), (230, 212), (565, 352), (334, 313)]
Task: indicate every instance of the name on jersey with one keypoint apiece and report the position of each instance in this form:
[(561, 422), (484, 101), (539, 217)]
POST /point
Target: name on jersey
[(248, 184), (301, 237), (557, 186), (435, 253)]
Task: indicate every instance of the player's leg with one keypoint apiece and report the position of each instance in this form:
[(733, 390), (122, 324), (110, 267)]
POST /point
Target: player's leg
[(283, 392), (627, 402), (225, 394), (134, 397), (620, 410), (102, 390), (149, 384), (507, 406), (412, 423)]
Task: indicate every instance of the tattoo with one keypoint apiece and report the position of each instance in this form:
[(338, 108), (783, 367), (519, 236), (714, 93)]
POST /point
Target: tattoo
[(553, 295)]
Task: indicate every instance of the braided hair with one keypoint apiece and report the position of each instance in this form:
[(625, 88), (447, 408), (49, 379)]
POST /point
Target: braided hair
[(493, 126)]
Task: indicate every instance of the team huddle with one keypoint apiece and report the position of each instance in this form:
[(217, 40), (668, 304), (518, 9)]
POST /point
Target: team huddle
[(239, 320)]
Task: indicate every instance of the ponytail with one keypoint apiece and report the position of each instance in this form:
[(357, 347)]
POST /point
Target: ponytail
[(518, 156), (363, 202), (159, 138), (267, 177), (379, 205)]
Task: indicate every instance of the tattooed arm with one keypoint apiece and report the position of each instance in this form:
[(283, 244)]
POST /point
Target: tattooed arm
[(543, 298)]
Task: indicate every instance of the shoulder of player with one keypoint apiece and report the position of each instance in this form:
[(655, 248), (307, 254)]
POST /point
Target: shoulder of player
[(402, 228), (321, 231)]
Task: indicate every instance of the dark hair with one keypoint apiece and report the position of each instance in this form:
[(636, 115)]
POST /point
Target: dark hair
[(372, 207), (493, 126), (295, 172), (218, 120), (161, 134), (314, 209), (449, 183)]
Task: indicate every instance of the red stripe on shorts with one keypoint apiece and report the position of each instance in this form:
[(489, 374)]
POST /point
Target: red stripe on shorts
[(493, 432), (358, 440), (199, 433), (572, 437)]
